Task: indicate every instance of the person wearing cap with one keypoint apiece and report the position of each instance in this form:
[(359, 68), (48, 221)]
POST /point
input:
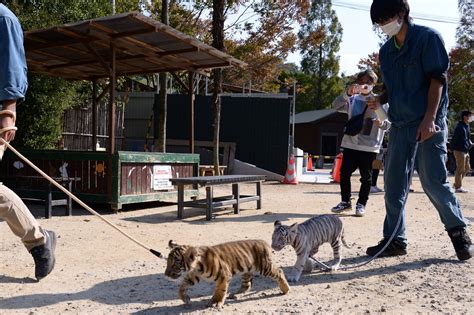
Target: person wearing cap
[(13, 84), (461, 144), (414, 65)]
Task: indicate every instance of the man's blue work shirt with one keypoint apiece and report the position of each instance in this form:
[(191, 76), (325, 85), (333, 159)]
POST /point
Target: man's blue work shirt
[(13, 80), (407, 73)]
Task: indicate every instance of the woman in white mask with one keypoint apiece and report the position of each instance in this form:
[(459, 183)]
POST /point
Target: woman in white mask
[(360, 147)]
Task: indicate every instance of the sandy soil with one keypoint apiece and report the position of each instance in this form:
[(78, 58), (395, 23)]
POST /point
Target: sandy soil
[(99, 271)]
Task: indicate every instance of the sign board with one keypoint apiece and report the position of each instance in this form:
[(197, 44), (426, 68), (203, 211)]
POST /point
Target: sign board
[(161, 177)]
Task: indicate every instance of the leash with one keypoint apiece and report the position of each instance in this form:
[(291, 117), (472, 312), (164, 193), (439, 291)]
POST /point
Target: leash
[(68, 193), (399, 221)]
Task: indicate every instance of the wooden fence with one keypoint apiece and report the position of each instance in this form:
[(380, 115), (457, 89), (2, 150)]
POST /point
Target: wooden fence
[(77, 128)]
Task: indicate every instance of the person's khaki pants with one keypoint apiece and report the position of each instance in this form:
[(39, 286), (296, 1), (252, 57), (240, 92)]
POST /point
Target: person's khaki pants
[(22, 223), (462, 167)]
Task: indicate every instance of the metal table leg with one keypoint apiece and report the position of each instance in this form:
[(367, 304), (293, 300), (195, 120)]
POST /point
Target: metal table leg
[(210, 205), (180, 200), (236, 193)]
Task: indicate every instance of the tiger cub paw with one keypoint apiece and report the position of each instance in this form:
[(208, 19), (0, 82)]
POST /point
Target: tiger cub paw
[(293, 278), (233, 296), (186, 299), (213, 303)]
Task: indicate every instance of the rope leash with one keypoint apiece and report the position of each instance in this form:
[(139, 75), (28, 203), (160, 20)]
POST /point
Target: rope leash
[(399, 221), (68, 193)]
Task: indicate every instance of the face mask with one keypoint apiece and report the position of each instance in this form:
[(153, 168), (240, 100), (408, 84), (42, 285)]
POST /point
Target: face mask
[(471, 119), (392, 28), (365, 88)]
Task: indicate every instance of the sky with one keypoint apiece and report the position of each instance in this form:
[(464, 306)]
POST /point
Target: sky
[(359, 40)]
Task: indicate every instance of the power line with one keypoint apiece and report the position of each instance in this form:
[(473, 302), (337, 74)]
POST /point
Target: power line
[(425, 17)]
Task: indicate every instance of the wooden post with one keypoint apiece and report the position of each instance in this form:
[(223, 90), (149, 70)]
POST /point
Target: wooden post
[(112, 101), (191, 111), (94, 115)]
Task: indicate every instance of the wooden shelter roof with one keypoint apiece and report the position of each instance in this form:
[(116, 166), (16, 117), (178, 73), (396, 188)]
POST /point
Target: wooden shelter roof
[(142, 45)]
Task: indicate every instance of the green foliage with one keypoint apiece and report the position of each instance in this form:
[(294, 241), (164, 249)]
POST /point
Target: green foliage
[(40, 118), (461, 80), (320, 37)]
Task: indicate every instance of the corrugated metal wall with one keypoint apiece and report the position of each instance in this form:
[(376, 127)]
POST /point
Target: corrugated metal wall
[(258, 125)]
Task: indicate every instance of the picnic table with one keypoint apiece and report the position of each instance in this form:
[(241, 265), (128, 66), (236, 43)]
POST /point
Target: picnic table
[(46, 193), (211, 202)]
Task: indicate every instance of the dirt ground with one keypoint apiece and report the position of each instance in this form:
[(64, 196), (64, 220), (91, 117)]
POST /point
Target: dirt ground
[(98, 271)]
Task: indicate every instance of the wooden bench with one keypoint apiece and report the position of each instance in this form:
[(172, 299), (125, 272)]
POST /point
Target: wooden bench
[(211, 202), (47, 193), (204, 169)]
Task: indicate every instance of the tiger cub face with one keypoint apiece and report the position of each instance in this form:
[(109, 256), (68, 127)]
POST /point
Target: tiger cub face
[(283, 235), (182, 258)]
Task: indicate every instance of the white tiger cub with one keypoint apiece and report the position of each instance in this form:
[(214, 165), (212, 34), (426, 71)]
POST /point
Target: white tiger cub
[(306, 239)]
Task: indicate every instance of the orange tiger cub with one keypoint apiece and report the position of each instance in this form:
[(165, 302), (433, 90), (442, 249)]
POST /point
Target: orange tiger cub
[(219, 264)]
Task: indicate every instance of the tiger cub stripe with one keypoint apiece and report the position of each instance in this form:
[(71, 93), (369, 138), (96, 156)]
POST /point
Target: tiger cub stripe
[(219, 264)]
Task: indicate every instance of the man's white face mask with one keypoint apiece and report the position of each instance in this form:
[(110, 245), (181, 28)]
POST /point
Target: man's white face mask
[(471, 118), (392, 28)]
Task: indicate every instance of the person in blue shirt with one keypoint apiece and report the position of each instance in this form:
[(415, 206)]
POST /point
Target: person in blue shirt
[(461, 144), (414, 65), (13, 84)]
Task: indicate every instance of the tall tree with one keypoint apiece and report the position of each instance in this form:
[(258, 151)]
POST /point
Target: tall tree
[(320, 37), (461, 80), (218, 20), (162, 97)]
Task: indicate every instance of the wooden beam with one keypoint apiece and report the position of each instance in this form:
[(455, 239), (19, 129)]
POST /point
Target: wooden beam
[(94, 115), (112, 102), (191, 111), (180, 82)]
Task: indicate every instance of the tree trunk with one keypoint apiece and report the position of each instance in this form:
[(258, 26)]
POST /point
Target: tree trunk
[(217, 42), (162, 96)]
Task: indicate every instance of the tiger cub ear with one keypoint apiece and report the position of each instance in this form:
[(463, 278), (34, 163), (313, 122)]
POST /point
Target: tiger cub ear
[(172, 244), (293, 227), (277, 223)]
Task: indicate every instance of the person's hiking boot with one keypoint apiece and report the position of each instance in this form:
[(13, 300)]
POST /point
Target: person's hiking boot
[(395, 248), (342, 206), (360, 210), (462, 243), (43, 255), (375, 189)]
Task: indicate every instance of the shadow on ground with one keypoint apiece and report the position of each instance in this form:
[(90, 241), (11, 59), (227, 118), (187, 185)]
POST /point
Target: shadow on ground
[(149, 289)]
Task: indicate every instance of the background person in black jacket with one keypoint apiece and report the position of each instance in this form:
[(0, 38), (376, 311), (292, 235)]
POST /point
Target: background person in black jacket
[(460, 144)]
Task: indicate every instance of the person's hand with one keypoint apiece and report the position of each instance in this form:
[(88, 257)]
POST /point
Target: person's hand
[(353, 89), (373, 102), (7, 121), (426, 130), (378, 123)]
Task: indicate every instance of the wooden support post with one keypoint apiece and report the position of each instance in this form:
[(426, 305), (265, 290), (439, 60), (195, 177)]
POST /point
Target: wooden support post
[(94, 115), (191, 111), (112, 101)]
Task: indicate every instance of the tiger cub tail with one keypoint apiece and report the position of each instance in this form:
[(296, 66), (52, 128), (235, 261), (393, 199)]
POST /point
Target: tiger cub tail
[(343, 240)]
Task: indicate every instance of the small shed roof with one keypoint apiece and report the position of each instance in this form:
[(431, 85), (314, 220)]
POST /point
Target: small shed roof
[(143, 45), (313, 115)]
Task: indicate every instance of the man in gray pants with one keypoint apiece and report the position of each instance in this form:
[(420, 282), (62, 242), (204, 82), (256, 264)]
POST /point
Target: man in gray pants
[(13, 84)]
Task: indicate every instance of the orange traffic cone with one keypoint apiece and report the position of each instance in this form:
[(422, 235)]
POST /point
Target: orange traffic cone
[(310, 163), (336, 171), (290, 175)]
